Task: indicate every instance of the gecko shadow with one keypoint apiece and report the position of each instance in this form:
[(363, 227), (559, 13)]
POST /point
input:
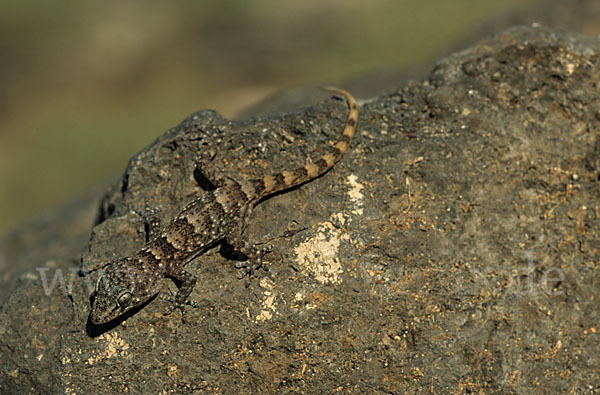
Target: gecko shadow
[(95, 330)]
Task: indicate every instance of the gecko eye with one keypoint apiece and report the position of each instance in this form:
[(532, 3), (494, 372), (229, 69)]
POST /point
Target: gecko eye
[(124, 299)]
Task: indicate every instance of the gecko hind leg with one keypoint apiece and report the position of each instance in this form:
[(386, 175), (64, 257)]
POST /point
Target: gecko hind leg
[(254, 254), (254, 262)]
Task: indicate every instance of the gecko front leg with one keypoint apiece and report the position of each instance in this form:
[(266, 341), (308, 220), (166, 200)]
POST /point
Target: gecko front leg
[(185, 282), (206, 168), (151, 222)]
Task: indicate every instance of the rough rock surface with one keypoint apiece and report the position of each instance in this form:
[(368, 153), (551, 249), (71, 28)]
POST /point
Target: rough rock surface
[(455, 248)]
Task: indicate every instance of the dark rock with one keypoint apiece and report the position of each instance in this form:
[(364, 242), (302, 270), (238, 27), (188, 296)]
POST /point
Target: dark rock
[(455, 248), (53, 239)]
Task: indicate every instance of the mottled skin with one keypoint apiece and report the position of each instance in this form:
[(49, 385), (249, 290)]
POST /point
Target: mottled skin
[(216, 215)]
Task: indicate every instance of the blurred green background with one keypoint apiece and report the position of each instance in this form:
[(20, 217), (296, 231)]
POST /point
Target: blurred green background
[(85, 85)]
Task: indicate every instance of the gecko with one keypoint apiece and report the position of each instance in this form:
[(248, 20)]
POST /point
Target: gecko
[(218, 215)]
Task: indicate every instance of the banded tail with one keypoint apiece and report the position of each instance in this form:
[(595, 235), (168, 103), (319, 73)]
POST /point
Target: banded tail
[(287, 179)]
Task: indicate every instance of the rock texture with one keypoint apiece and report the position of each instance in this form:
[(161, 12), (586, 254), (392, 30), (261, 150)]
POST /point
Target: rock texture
[(454, 249)]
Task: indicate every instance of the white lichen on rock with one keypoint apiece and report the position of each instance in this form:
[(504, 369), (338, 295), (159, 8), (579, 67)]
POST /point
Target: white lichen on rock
[(319, 254)]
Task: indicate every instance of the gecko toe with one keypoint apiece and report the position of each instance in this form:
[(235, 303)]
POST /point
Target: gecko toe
[(248, 267)]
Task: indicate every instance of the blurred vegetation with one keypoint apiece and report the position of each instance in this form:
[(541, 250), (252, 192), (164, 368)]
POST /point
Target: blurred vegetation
[(85, 85)]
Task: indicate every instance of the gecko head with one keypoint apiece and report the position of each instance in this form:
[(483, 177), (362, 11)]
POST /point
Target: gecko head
[(121, 288)]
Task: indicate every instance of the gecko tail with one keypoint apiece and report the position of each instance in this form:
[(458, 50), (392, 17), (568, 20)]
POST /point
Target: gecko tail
[(287, 179)]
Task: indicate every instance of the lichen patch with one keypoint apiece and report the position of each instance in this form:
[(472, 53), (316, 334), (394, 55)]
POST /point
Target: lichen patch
[(318, 255), (355, 194), (268, 305)]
